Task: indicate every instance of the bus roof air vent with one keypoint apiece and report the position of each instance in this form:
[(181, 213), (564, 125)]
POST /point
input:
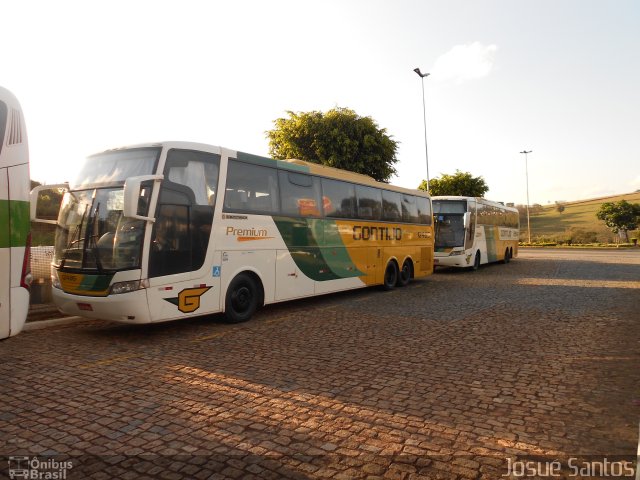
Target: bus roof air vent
[(14, 136)]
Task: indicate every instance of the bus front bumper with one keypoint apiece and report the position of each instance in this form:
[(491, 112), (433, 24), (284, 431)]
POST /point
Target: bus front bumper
[(460, 260), (131, 307)]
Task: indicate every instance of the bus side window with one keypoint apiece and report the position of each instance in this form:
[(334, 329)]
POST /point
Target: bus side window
[(299, 194), (481, 214), (338, 198), (409, 209), (251, 189), (424, 210), (369, 202), (391, 206), (195, 170), (3, 122)]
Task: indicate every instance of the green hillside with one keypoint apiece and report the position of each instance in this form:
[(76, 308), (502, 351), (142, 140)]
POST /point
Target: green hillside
[(577, 221)]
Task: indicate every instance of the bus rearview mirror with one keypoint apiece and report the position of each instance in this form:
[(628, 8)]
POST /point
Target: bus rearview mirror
[(34, 197), (132, 188)]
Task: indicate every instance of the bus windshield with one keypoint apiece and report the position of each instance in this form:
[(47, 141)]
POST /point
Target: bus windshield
[(114, 167), (449, 225), (93, 233)]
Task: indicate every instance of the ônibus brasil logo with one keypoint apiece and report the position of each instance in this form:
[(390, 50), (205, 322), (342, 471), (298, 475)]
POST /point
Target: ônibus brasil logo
[(33, 468)]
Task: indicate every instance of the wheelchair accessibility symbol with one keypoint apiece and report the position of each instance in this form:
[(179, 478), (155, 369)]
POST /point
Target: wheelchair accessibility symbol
[(216, 271)]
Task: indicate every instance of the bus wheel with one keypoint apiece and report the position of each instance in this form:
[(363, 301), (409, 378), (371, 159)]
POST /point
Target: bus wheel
[(476, 262), (404, 276), (507, 256), (390, 275), (241, 300)]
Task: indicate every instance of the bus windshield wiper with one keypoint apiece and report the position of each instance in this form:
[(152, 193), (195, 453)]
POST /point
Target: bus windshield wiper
[(92, 244), (74, 238)]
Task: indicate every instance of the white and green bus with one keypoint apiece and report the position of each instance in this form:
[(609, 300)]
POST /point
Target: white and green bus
[(15, 183), (165, 231), (471, 231)]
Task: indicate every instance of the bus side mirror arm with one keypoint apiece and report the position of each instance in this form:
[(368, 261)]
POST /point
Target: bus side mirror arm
[(132, 194), (33, 201)]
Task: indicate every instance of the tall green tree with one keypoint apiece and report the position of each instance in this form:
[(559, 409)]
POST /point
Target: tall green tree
[(620, 216), (459, 184), (339, 138)]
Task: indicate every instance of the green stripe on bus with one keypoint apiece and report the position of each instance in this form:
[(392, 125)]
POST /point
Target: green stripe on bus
[(270, 162), (293, 167), (257, 159), (337, 256), (490, 235), (14, 223), (316, 248)]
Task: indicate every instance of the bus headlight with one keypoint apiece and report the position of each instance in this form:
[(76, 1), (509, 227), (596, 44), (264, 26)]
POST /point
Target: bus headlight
[(130, 286), (456, 252)]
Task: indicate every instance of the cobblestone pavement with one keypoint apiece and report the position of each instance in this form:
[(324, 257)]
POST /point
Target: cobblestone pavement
[(447, 378)]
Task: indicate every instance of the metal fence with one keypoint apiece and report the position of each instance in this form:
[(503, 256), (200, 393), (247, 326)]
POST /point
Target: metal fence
[(41, 255)]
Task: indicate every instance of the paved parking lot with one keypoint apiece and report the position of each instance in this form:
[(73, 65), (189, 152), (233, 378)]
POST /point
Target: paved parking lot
[(447, 378)]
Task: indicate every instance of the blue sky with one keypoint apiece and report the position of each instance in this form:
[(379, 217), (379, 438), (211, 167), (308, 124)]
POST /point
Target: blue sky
[(558, 77)]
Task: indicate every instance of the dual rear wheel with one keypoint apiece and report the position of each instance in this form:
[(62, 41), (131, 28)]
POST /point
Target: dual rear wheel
[(395, 277)]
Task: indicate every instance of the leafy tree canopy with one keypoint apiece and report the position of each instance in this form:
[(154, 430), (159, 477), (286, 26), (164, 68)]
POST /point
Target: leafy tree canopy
[(459, 184), (339, 138), (620, 216)]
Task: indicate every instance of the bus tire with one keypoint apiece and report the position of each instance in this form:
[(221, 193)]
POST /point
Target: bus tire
[(404, 275), (390, 275), (242, 298), (476, 262)]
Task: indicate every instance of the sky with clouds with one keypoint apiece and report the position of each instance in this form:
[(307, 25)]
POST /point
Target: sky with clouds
[(558, 77)]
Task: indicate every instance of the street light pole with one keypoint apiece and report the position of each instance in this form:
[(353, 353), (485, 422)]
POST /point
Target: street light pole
[(526, 172), (424, 116)]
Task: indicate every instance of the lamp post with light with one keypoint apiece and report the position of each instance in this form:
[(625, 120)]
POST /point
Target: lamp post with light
[(526, 172), (424, 116)]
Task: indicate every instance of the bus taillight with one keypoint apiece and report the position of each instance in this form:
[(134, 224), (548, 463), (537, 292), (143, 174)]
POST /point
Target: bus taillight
[(25, 276)]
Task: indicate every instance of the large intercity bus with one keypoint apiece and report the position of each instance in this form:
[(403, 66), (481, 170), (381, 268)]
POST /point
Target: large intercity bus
[(471, 231), (165, 231), (15, 183)]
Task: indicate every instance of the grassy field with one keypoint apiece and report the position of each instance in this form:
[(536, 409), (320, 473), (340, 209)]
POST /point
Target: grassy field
[(576, 220)]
